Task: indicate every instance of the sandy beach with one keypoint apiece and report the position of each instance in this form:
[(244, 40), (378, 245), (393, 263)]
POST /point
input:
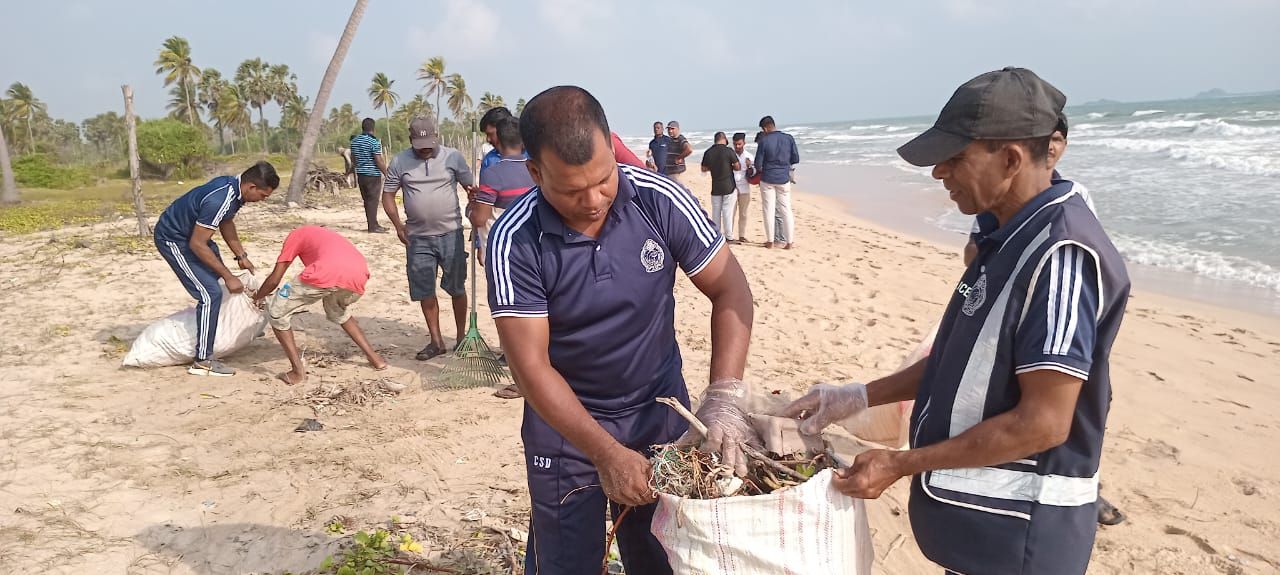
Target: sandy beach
[(112, 470)]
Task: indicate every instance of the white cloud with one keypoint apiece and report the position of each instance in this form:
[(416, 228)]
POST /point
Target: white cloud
[(466, 30), (570, 18), (320, 47)]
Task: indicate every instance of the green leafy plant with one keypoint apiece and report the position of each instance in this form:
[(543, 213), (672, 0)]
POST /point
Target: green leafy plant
[(39, 171), (368, 555), (170, 148)]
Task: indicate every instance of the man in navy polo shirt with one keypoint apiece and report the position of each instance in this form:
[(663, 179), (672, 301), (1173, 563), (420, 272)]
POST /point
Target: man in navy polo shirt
[(581, 271), (184, 236), (1011, 406), (776, 157), (656, 157)]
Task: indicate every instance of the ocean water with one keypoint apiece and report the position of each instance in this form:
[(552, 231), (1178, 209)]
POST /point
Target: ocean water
[(1190, 186)]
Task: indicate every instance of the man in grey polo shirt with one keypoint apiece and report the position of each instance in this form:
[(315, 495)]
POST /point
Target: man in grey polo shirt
[(429, 174)]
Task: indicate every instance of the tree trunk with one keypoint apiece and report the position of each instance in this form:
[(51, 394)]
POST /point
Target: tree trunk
[(262, 123), (31, 140), (139, 207), (190, 105), (312, 133), (386, 113), (9, 191)]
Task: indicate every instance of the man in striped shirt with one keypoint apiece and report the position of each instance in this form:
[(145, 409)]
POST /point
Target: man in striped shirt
[(184, 236), (370, 165)]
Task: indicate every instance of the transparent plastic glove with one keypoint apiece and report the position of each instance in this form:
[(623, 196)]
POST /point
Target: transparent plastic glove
[(826, 404), (723, 410)]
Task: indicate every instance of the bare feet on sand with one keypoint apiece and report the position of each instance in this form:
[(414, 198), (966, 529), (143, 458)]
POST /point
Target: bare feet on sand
[(291, 378), (768, 245), (379, 364), (788, 246)]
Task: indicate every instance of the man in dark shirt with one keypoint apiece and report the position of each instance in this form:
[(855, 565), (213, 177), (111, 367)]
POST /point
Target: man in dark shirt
[(679, 149), (656, 157), (722, 162), (776, 153)]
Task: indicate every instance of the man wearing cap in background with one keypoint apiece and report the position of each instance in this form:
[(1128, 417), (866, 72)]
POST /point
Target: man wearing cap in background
[(1010, 408), (429, 175), (677, 151)]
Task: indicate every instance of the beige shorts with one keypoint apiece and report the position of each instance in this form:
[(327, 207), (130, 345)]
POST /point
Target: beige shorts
[(294, 295)]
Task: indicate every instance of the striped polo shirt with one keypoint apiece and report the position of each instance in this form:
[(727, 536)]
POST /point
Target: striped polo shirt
[(504, 181), (609, 300), (1047, 291), (363, 148)]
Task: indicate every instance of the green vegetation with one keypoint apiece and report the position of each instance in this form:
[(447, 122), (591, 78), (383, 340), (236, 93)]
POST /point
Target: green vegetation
[(39, 171), (169, 148), (47, 209), (369, 554)]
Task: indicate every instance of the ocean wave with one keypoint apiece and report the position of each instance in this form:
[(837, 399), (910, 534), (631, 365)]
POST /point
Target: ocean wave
[(1200, 262), (1146, 113), (1184, 126), (1256, 165), (1095, 115)]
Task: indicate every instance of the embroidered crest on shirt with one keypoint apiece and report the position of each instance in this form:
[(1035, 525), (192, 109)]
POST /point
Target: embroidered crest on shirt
[(652, 256), (976, 297)]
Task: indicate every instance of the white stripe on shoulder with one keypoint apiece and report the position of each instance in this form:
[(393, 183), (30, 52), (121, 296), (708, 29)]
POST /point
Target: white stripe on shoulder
[(680, 198), (226, 203)]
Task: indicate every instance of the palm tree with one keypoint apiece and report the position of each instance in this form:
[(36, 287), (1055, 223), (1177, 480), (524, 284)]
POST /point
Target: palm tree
[(489, 101), (175, 64), (432, 72), (284, 84), (416, 108), (459, 99), (8, 187), (180, 102), (253, 77), (519, 107), (24, 104), (207, 94), (312, 132), (382, 96), (294, 114), (232, 112), (103, 130)]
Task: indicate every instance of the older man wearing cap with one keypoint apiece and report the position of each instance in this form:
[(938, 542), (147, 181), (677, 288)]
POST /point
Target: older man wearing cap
[(429, 174), (1006, 436), (678, 149)]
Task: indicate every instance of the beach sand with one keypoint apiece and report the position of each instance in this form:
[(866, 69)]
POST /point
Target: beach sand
[(112, 470)]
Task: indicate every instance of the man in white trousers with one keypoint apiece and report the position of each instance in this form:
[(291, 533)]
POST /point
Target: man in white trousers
[(776, 153)]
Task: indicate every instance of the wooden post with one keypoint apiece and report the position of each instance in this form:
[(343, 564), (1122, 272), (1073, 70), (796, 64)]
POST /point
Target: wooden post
[(139, 207)]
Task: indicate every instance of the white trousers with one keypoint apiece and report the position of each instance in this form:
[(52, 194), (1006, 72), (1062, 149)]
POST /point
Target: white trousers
[(744, 202), (779, 194), (722, 213)]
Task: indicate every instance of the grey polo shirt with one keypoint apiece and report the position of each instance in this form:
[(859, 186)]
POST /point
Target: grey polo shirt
[(430, 189)]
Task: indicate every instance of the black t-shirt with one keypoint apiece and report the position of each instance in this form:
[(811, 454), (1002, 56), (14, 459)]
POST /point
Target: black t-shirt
[(719, 160)]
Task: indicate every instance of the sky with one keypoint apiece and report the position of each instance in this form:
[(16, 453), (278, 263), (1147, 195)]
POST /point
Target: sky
[(708, 64)]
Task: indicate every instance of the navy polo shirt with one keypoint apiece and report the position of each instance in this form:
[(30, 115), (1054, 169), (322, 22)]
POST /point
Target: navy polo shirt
[(658, 150), (1047, 291), (609, 300), (208, 205)]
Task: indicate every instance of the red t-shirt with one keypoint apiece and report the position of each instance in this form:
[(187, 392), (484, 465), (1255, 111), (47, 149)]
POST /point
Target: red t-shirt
[(330, 259), (622, 154)]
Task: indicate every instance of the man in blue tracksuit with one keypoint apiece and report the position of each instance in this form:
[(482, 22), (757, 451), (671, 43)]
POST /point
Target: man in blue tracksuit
[(581, 272), (184, 236), (1011, 405)]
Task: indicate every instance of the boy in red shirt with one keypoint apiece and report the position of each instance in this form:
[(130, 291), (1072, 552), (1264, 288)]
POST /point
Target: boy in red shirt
[(335, 273)]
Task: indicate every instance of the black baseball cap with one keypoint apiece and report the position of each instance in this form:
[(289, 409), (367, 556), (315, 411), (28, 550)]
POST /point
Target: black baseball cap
[(1008, 104), (423, 133)]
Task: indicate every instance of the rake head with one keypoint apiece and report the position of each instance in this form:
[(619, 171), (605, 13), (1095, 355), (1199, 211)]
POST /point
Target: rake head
[(474, 364)]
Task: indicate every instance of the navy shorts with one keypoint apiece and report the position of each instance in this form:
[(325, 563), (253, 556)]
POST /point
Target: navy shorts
[(566, 527), (427, 254)]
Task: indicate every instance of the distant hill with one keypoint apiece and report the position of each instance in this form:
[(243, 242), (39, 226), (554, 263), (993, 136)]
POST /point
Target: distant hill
[(1220, 93)]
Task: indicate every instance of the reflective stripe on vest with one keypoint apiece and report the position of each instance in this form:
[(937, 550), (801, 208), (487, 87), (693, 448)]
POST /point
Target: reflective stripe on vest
[(999, 483)]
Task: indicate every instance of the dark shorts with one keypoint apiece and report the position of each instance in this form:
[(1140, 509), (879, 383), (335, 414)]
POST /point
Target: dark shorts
[(446, 253)]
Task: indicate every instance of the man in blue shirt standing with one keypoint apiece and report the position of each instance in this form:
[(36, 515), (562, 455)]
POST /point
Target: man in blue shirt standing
[(776, 156), (184, 236), (370, 165), (656, 157), (1011, 405), (581, 273), (489, 125)]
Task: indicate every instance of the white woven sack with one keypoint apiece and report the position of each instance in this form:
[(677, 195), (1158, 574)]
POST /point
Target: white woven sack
[(172, 340), (810, 528)]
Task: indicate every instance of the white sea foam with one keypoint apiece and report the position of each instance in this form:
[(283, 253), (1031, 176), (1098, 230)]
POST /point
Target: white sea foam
[(1201, 154), (1200, 262), (1095, 115), (1146, 113)]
